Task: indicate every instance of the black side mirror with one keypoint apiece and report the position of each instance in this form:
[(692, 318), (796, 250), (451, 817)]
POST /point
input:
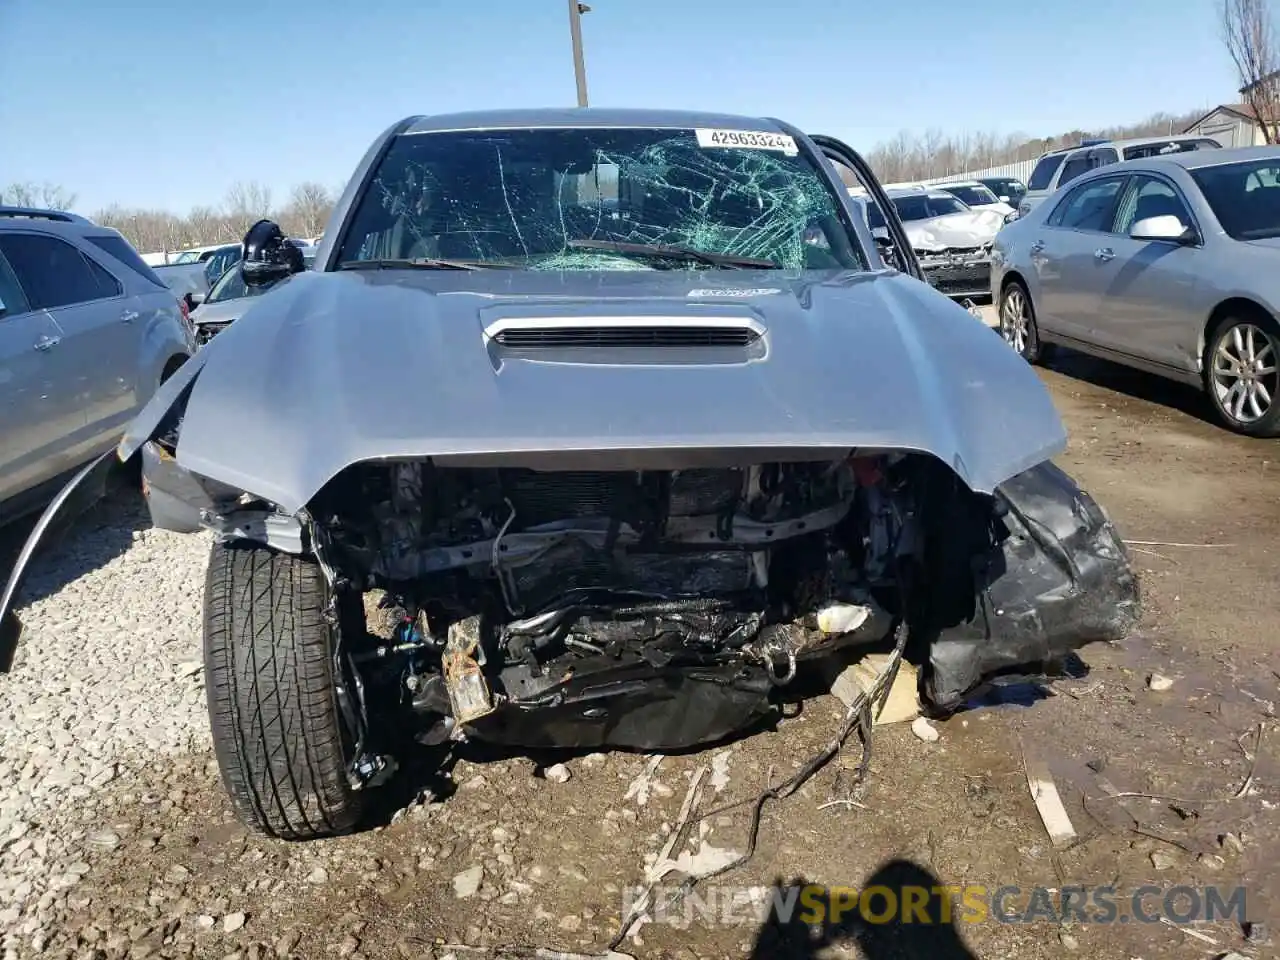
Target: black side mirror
[(266, 257)]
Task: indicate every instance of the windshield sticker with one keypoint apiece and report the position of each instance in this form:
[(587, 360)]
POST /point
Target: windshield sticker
[(746, 139), (736, 292)]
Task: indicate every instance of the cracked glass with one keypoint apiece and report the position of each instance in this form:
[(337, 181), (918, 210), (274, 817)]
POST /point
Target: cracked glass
[(598, 199)]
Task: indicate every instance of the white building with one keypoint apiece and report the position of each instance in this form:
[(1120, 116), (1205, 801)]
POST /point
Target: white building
[(1232, 125)]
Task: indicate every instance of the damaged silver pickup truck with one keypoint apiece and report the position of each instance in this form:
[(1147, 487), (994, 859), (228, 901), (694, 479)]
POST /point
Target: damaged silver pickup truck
[(626, 417)]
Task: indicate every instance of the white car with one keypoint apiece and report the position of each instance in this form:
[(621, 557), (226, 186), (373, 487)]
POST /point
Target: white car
[(951, 241)]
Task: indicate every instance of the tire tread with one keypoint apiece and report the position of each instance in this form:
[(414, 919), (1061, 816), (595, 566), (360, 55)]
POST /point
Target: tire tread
[(270, 687)]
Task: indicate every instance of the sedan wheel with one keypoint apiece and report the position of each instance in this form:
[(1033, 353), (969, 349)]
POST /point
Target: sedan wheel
[(1018, 323), (1243, 376)]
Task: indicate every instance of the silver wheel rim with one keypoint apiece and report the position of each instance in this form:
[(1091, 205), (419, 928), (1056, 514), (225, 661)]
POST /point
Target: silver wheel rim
[(1014, 322), (1244, 373)]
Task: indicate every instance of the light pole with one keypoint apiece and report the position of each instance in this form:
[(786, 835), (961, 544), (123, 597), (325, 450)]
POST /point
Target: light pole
[(576, 10)]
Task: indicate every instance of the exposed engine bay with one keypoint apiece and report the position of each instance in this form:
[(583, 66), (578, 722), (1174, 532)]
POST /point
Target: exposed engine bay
[(517, 589), (661, 609)]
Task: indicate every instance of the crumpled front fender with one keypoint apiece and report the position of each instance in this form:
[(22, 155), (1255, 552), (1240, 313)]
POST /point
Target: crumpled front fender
[(150, 417)]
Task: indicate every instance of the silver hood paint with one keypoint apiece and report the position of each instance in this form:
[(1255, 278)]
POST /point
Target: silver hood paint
[(338, 368), (972, 228)]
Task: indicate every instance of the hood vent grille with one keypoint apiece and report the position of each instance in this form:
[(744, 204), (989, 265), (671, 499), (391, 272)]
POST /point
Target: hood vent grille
[(623, 332)]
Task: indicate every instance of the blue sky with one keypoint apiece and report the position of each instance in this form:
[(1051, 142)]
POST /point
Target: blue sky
[(162, 103)]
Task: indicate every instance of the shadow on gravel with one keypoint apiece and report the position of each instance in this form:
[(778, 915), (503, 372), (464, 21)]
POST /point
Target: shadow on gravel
[(86, 536), (425, 772), (1135, 384), (903, 935)]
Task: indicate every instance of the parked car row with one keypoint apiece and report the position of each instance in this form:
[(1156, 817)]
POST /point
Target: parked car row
[(1168, 263), (192, 279), (194, 272), (950, 237)]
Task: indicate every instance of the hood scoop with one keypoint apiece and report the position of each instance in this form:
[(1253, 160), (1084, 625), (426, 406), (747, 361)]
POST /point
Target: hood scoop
[(644, 332)]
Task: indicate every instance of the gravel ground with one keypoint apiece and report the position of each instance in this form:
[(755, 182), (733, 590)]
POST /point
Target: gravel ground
[(116, 840), (107, 683)]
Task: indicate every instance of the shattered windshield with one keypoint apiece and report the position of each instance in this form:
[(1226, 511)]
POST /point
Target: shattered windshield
[(599, 199)]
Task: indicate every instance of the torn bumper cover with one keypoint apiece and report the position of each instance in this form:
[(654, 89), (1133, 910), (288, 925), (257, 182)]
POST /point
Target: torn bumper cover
[(1061, 578)]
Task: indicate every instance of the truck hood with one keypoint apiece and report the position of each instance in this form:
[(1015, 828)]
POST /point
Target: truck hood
[(973, 228), (338, 368)]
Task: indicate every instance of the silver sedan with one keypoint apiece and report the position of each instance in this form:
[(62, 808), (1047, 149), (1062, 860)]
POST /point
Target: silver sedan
[(1169, 264)]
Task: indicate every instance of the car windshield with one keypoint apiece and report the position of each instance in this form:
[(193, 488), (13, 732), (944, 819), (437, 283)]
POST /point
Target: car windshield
[(973, 196), (231, 286), (188, 256), (1245, 197), (599, 199), (927, 206)]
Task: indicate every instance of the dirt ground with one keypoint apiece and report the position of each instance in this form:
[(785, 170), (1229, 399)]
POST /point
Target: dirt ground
[(553, 858)]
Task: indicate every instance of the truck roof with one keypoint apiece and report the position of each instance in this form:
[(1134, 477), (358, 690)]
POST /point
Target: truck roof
[(586, 117)]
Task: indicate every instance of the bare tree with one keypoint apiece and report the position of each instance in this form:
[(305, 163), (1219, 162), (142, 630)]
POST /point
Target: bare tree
[(206, 225), (246, 203), (48, 195), (1250, 38), (308, 210)]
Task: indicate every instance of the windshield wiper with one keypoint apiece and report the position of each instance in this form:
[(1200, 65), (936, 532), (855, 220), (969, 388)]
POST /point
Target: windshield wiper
[(422, 263), (667, 251)]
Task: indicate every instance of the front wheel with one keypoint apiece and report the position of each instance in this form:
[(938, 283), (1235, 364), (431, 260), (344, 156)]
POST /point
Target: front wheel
[(269, 675), (1242, 374), (1018, 323)]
